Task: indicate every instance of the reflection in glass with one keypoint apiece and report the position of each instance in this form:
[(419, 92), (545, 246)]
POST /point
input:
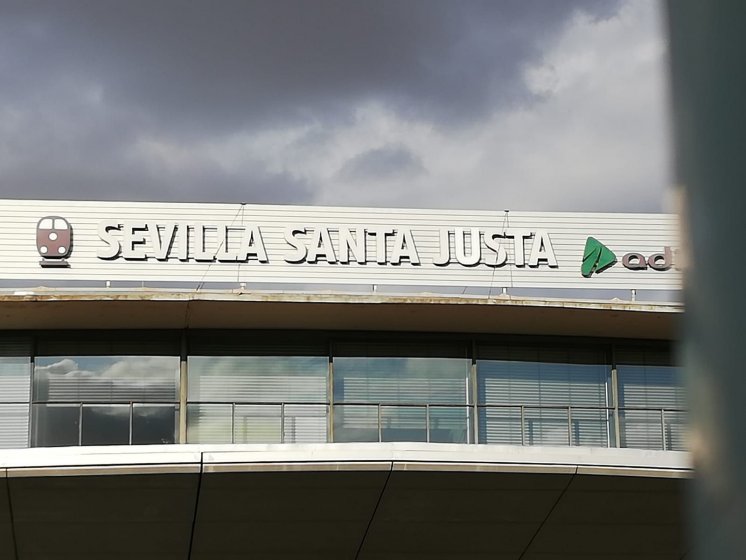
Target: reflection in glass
[(306, 423), (500, 425), (249, 381), (106, 425), (257, 424), (537, 379), (450, 424), (55, 425), (403, 381), (355, 423), (403, 423), (106, 378), (209, 423), (654, 388), (592, 428), (258, 379), (641, 429), (677, 430), (546, 426), (154, 424)]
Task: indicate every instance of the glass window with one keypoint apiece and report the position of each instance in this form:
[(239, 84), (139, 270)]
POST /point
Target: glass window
[(652, 399), (154, 423), (258, 379), (56, 425), (15, 391), (209, 423), (106, 425), (99, 399), (14, 420), (106, 379), (15, 378), (543, 395), (402, 379), (274, 399)]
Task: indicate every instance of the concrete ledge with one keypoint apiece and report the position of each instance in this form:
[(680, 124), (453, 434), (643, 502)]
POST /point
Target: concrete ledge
[(153, 309), (80, 461)]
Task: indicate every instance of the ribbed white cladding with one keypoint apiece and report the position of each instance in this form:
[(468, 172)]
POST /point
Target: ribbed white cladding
[(645, 233)]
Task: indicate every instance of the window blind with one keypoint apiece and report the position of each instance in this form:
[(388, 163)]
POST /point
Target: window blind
[(258, 378)]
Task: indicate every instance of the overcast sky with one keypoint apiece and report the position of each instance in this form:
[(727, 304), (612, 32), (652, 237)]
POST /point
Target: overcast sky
[(519, 104)]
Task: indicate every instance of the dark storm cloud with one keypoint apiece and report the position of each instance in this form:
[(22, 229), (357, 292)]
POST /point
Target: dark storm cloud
[(83, 81), (228, 63), (381, 164)]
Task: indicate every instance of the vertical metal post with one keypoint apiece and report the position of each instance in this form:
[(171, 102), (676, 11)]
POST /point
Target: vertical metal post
[(427, 423), (80, 424), (32, 374), (131, 411), (282, 422), (233, 422), (708, 86), (523, 423), (615, 399), (569, 425), (380, 431), (183, 388), (474, 392), (330, 395), (663, 428)]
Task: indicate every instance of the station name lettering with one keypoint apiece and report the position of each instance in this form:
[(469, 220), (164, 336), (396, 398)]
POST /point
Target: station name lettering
[(201, 242)]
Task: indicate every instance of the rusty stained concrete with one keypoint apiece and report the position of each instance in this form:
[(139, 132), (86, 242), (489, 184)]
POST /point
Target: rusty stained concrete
[(42, 308)]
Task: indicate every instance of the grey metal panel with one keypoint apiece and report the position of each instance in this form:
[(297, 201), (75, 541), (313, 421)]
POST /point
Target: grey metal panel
[(645, 233), (635, 517), (453, 515), (7, 542), (271, 501), (285, 514), (93, 517)]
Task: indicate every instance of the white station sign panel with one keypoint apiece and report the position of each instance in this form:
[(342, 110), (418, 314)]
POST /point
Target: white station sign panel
[(243, 243)]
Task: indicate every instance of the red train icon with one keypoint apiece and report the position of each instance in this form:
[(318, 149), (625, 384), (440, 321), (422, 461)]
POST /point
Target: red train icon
[(54, 238)]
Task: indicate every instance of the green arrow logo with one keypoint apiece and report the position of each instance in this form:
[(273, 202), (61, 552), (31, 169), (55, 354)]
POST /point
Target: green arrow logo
[(596, 257)]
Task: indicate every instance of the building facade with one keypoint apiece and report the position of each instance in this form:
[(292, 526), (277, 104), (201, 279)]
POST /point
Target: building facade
[(497, 338)]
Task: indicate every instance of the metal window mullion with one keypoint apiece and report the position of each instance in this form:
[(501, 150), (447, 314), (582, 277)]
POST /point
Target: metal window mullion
[(132, 412), (183, 387), (32, 372), (80, 424), (427, 423), (330, 396), (380, 428), (523, 424), (474, 392), (233, 422), (615, 399)]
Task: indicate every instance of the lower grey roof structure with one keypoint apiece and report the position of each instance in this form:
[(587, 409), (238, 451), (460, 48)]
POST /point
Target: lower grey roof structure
[(342, 501)]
